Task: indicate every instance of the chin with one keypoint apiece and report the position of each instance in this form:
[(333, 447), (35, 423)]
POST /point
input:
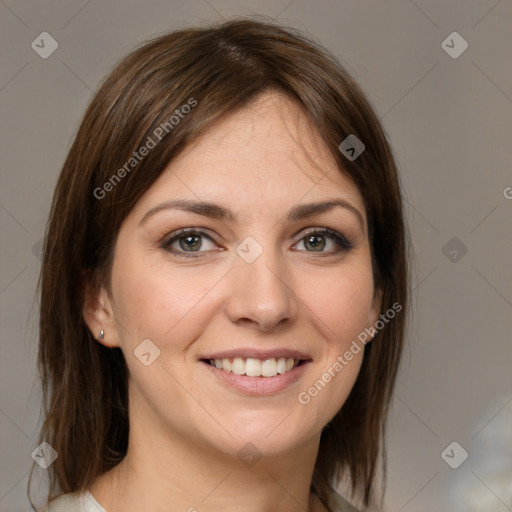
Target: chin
[(269, 433)]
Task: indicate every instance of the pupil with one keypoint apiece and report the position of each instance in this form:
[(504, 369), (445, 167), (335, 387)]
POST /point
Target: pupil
[(316, 244), (187, 239)]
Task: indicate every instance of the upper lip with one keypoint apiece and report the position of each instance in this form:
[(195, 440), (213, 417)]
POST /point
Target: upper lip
[(257, 354)]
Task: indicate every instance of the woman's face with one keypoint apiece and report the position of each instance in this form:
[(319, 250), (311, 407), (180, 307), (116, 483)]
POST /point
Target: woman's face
[(254, 281)]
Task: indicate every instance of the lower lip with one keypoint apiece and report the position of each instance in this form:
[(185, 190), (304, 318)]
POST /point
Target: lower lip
[(258, 386)]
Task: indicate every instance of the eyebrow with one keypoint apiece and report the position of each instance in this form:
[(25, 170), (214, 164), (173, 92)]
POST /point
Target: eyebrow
[(216, 211)]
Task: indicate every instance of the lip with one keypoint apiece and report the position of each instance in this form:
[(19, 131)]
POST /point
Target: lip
[(257, 386), (257, 354)]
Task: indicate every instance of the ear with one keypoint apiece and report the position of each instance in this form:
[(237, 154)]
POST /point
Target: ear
[(374, 313), (99, 315)]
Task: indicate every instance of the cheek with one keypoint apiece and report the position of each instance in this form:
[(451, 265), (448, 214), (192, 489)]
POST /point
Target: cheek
[(340, 311), (341, 303), (158, 300)]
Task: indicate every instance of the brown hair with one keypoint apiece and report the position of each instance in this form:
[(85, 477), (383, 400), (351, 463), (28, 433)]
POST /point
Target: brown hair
[(222, 68)]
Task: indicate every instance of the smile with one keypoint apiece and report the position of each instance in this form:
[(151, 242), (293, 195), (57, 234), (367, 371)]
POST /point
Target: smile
[(252, 367)]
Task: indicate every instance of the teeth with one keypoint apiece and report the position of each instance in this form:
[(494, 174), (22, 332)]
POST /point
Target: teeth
[(256, 367), (281, 365), (238, 367), (253, 367), (269, 367)]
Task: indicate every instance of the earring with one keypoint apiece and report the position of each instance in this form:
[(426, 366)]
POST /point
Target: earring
[(101, 335)]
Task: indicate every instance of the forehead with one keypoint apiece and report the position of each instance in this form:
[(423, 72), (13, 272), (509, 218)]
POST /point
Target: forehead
[(272, 130), (267, 155)]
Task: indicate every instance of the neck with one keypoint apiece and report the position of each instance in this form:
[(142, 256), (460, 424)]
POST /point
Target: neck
[(163, 472)]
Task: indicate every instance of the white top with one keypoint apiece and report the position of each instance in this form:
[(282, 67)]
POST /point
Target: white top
[(75, 502), (85, 502)]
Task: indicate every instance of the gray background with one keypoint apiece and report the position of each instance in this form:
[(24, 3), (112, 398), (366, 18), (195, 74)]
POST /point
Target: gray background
[(449, 122)]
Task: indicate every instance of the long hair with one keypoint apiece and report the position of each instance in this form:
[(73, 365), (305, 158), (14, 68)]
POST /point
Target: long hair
[(221, 68)]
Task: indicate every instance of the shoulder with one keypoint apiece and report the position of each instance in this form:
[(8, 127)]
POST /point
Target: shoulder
[(337, 503), (74, 502), (64, 502)]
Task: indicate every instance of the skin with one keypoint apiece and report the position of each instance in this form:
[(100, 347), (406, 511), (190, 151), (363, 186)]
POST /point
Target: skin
[(185, 426)]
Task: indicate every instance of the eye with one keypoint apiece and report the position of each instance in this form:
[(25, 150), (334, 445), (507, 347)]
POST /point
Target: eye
[(317, 240), (189, 241)]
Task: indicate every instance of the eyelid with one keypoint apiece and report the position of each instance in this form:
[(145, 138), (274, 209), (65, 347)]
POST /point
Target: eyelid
[(343, 243), (176, 235), (333, 234)]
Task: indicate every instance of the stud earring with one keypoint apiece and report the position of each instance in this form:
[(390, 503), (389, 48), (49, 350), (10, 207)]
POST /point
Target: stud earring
[(101, 335)]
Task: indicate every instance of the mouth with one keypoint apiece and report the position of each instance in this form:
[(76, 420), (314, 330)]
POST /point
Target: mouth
[(254, 367), (257, 373)]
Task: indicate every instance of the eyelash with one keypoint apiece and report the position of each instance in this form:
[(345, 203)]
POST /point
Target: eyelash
[(344, 245)]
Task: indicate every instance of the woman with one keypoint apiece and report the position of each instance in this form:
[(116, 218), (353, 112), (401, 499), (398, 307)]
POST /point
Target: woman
[(224, 284)]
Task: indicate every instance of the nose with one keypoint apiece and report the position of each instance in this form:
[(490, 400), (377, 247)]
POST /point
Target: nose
[(261, 293)]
